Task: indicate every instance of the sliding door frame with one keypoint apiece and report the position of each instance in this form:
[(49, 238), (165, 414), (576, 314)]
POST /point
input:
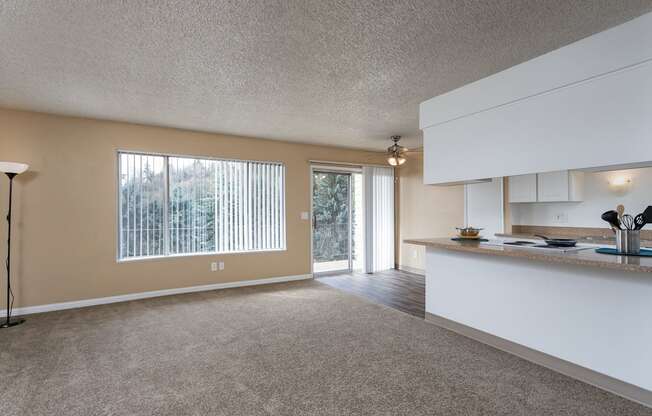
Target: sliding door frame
[(337, 169)]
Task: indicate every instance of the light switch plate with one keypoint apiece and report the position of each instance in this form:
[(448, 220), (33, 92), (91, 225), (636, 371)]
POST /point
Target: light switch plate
[(305, 215), (560, 218)]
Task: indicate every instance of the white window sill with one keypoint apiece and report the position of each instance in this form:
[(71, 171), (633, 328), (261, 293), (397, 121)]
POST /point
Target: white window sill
[(212, 253)]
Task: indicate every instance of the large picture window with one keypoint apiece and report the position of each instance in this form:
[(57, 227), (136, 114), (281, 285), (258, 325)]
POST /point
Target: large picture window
[(181, 205)]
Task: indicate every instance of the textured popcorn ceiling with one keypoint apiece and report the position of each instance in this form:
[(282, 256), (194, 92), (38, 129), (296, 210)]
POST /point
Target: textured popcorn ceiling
[(348, 73)]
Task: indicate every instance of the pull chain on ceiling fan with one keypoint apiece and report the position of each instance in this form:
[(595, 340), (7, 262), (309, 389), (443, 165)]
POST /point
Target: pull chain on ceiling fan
[(396, 152)]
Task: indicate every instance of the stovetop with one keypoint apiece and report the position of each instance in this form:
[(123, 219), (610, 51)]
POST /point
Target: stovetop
[(536, 245)]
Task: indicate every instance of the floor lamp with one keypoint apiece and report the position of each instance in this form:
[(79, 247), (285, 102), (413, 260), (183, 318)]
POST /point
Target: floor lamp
[(10, 169)]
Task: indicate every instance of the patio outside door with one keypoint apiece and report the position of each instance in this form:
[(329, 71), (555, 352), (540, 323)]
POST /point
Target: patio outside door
[(332, 217)]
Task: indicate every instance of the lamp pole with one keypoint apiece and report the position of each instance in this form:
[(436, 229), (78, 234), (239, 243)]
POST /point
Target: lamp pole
[(9, 323)]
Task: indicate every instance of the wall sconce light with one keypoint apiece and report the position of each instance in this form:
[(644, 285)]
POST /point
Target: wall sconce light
[(620, 183)]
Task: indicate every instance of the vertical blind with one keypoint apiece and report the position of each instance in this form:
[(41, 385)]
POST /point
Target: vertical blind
[(379, 218), (250, 206), (142, 202), (177, 205), (191, 209)]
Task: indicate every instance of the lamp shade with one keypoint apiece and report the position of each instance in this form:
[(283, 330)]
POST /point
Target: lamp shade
[(13, 167)]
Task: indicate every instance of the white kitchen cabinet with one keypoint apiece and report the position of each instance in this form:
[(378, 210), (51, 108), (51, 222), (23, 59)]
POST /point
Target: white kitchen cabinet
[(560, 186), (483, 206), (563, 110), (523, 188)]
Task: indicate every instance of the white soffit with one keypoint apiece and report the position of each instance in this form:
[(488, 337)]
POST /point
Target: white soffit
[(615, 49)]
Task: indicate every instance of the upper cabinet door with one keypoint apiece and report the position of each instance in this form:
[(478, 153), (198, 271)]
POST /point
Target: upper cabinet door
[(523, 188), (484, 207), (553, 186), (560, 186)]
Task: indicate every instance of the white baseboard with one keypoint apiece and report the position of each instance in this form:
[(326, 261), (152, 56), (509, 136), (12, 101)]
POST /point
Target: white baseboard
[(411, 269), (599, 380), (151, 294)]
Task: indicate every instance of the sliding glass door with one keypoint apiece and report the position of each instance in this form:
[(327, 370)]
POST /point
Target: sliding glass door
[(332, 221), (352, 219)]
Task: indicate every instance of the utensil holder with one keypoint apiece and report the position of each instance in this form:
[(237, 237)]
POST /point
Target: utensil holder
[(628, 241)]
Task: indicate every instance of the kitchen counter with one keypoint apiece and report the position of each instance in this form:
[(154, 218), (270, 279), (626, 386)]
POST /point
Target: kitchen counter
[(586, 257), (579, 307)]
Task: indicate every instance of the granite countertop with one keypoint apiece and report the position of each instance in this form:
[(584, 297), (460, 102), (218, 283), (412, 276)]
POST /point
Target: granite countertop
[(586, 257)]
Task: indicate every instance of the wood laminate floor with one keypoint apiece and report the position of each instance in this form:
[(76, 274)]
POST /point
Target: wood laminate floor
[(394, 288)]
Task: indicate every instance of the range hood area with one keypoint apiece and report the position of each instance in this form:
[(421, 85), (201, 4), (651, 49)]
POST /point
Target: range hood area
[(585, 106)]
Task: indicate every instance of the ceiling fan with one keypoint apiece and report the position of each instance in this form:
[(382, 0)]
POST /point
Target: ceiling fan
[(396, 153)]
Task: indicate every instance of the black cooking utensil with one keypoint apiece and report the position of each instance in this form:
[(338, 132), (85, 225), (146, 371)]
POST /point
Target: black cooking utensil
[(558, 242), (639, 221), (648, 215), (612, 218)]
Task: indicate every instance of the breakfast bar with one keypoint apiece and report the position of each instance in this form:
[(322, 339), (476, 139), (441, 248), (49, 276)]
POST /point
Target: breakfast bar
[(580, 312), (586, 257)]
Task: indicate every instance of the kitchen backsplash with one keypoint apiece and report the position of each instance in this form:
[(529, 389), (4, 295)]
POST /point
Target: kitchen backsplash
[(602, 191)]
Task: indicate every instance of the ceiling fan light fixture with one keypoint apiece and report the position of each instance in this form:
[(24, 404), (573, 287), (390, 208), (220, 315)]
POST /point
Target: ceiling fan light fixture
[(396, 153)]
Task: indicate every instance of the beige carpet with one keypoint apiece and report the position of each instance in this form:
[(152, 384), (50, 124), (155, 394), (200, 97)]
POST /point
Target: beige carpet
[(291, 349)]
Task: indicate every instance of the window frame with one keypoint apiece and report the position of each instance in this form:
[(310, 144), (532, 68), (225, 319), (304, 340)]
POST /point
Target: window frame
[(166, 200)]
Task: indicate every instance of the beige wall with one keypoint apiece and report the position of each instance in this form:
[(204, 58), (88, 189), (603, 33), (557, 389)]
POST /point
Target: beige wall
[(426, 211), (65, 207)]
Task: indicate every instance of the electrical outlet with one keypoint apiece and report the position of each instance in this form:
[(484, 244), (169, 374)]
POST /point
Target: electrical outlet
[(560, 218), (221, 265), (305, 215), (213, 267)]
